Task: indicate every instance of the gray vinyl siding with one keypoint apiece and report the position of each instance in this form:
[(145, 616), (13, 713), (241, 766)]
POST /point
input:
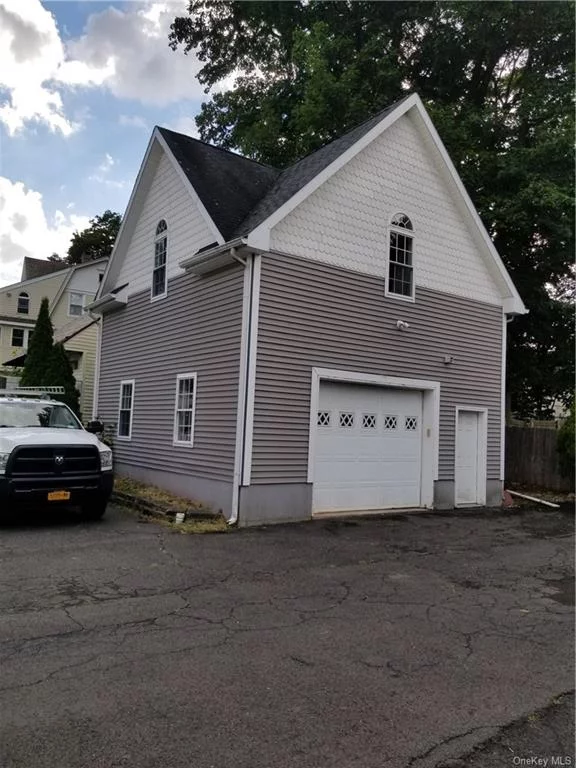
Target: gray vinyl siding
[(316, 315), (196, 329)]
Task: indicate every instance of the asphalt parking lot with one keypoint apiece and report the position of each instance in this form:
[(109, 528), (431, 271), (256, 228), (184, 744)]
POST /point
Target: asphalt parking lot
[(403, 642)]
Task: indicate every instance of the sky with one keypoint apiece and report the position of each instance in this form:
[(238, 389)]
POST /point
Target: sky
[(82, 85)]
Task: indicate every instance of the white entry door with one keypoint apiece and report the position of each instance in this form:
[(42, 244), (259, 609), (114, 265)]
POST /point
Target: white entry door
[(368, 448), (470, 474)]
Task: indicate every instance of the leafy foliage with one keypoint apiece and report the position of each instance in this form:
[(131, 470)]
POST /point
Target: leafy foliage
[(566, 449), (97, 240), (498, 80), (60, 374), (35, 372)]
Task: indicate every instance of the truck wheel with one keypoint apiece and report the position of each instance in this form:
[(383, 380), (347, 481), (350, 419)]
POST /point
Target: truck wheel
[(94, 511)]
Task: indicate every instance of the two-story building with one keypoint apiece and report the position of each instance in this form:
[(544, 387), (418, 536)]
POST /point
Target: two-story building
[(328, 337), (69, 289)]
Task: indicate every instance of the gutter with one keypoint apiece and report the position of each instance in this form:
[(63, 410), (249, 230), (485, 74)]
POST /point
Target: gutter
[(201, 258)]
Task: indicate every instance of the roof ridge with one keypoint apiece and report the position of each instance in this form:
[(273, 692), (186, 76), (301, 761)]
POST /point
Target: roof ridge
[(353, 128), (220, 149)]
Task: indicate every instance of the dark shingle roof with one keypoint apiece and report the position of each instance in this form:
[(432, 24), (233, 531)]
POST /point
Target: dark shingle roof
[(32, 268), (298, 175), (239, 194), (228, 185)]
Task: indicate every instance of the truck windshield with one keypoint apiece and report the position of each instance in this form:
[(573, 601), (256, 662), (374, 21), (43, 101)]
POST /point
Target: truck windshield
[(15, 414)]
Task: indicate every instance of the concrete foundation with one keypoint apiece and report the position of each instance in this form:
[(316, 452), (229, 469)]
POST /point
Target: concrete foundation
[(278, 503), (215, 493)]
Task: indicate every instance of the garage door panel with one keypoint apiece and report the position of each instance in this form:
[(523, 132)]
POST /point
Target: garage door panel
[(367, 448)]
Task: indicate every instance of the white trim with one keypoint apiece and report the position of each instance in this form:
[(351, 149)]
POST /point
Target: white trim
[(20, 323), (129, 435), (84, 305), (251, 383), (430, 418), (503, 398), (129, 214), (186, 181), (481, 456), (260, 236), (242, 379), (162, 236), (175, 441), (406, 232), (97, 364)]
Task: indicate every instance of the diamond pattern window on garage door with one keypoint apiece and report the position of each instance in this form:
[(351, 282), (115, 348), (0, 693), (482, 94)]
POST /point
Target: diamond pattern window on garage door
[(323, 418), (346, 419), (369, 421), (390, 422), (411, 423)]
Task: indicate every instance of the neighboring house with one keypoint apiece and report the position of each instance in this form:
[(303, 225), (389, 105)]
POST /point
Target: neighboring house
[(69, 290), (329, 337)]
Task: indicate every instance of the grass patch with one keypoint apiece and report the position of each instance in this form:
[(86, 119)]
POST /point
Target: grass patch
[(158, 496)]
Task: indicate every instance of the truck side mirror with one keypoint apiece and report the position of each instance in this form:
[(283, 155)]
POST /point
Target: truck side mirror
[(95, 427)]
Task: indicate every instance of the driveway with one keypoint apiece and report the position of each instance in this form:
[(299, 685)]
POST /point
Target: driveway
[(382, 643)]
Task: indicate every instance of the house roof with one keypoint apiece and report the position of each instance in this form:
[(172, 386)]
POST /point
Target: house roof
[(228, 185), (33, 268), (298, 175)]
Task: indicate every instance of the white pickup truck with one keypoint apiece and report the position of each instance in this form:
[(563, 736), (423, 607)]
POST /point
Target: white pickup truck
[(47, 458)]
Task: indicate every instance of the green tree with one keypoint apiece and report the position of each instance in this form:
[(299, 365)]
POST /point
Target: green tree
[(38, 356), (566, 445), (97, 240), (498, 80), (60, 374)]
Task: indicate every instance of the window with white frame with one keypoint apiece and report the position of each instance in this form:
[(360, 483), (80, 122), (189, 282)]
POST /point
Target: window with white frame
[(185, 409), (126, 409), (23, 303), (159, 270), (76, 304), (400, 280), (18, 337)]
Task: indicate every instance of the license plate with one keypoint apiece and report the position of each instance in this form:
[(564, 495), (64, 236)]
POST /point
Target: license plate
[(59, 496)]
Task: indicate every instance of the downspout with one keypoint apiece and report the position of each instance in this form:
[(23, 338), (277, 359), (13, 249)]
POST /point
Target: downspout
[(505, 320), (96, 392), (243, 385)]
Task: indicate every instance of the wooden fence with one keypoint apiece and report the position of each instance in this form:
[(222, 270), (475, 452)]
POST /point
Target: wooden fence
[(532, 458)]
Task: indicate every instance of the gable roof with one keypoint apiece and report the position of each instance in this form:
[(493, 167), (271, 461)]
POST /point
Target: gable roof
[(295, 177), (33, 268), (241, 200), (228, 184)]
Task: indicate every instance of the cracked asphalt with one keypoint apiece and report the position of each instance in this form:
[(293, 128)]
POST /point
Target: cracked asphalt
[(400, 642)]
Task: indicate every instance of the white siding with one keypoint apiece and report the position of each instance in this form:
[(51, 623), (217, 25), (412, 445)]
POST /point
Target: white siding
[(167, 199), (345, 221)]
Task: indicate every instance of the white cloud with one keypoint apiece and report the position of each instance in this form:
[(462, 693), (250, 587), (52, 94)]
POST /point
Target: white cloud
[(101, 174), (132, 47), (25, 230), (133, 121), (185, 125), (124, 51)]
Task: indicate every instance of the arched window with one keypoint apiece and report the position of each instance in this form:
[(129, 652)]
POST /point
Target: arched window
[(159, 270), (23, 303), (400, 280)]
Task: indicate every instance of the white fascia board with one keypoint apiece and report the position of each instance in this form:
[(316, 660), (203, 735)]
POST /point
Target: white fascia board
[(513, 300), (261, 234), (131, 212), (186, 181)]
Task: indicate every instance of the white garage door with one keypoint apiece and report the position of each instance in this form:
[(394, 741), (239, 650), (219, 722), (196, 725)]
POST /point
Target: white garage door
[(368, 448)]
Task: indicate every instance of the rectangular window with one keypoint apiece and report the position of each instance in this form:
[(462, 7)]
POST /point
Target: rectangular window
[(76, 304), (185, 409), (159, 272), (18, 337), (400, 267), (126, 409)]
